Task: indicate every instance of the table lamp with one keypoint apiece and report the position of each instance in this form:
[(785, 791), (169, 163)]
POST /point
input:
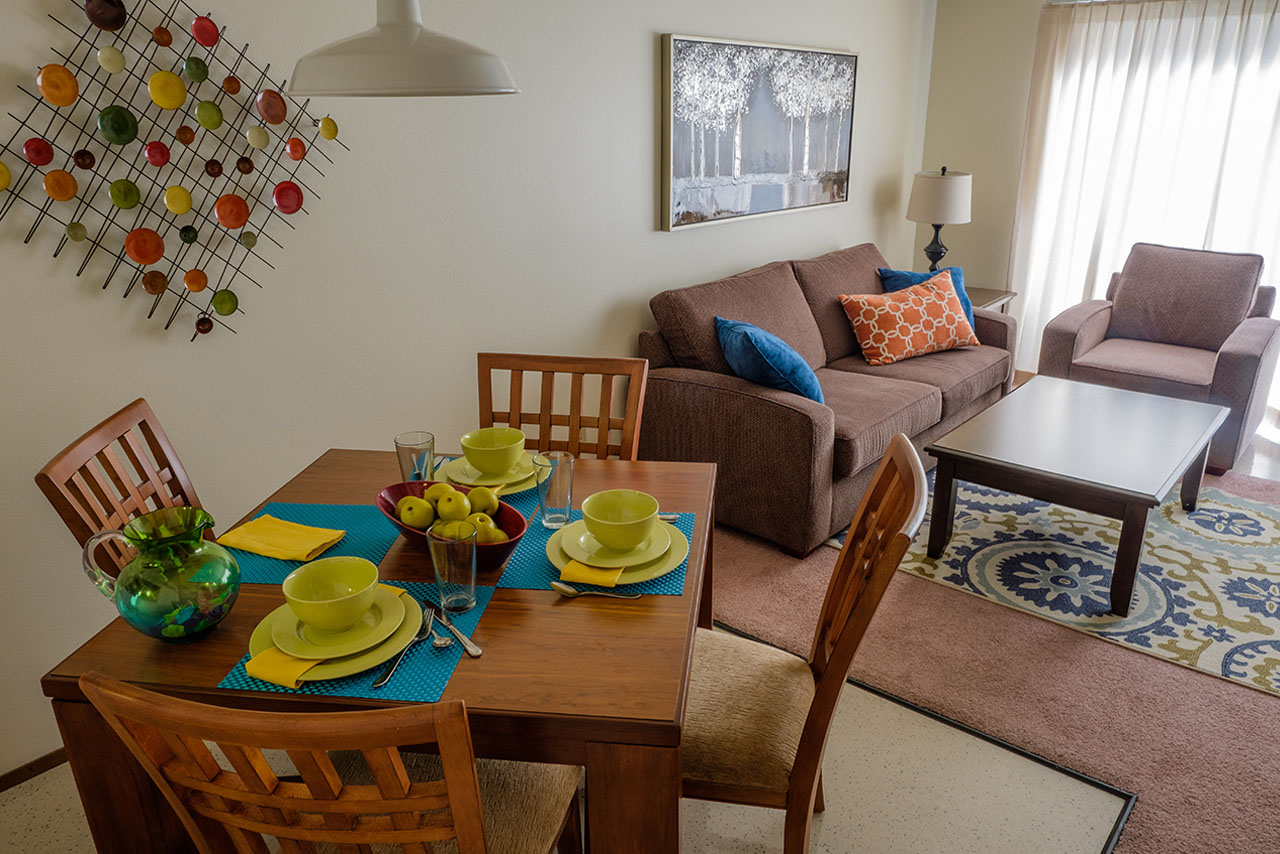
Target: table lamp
[(939, 198)]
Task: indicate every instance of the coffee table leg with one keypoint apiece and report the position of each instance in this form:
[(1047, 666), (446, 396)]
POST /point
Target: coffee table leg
[(944, 507), (1133, 529), (1191, 480)]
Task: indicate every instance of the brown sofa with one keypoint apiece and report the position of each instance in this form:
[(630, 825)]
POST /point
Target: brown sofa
[(1184, 323), (789, 469)]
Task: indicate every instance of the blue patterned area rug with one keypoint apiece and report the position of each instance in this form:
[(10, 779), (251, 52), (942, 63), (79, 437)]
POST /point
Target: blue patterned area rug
[(1207, 594)]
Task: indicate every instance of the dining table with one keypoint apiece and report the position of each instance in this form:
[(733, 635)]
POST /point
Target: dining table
[(591, 681)]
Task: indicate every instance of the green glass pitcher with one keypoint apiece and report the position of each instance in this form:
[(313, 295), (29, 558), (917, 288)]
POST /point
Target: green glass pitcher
[(180, 585)]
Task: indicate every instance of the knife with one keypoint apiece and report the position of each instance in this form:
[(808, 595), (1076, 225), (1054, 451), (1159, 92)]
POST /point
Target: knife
[(467, 644)]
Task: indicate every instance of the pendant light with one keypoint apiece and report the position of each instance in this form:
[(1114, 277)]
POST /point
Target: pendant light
[(397, 58)]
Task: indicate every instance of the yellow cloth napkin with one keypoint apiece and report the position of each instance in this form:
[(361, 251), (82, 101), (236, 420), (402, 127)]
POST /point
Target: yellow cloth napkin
[(272, 537), (580, 572), (280, 668)]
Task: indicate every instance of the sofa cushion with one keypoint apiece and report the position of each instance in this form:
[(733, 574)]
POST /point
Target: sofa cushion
[(961, 375), (898, 280), (921, 319), (823, 279), (870, 410), (764, 358), (1184, 372), (1183, 296), (768, 297)]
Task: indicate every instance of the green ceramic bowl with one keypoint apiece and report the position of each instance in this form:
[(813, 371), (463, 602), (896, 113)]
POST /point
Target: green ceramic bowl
[(493, 450), (333, 593), (620, 519)]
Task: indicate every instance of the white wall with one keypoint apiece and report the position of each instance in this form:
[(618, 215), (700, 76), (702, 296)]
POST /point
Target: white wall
[(523, 223), (981, 76)]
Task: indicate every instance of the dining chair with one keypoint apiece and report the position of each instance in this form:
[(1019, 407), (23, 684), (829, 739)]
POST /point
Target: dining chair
[(585, 432), (757, 718), (405, 801), (120, 469)]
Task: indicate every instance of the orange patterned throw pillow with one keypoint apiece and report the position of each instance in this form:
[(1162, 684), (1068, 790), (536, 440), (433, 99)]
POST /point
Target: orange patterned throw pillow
[(921, 319)]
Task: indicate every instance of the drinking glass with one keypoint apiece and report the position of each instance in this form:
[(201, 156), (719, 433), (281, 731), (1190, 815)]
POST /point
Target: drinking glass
[(554, 471), (454, 560), (416, 453)]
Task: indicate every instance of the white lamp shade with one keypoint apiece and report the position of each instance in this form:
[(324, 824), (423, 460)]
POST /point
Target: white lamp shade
[(400, 57), (940, 199)]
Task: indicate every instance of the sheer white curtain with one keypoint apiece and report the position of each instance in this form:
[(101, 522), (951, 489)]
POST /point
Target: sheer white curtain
[(1149, 120)]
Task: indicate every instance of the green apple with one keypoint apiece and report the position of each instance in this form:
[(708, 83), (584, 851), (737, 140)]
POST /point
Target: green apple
[(415, 512), (491, 534), (480, 520), (453, 506), (483, 500), (436, 491), (448, 530)]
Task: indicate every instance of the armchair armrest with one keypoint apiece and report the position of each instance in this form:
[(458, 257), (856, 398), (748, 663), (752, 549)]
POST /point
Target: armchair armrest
[(773, 450), (1072, 334), (1241, 380)]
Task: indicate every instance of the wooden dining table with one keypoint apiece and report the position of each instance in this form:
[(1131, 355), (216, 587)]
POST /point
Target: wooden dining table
[(594, 682)]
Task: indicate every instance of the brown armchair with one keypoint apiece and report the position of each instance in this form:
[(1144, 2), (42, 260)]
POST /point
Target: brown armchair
[(1183, 323)]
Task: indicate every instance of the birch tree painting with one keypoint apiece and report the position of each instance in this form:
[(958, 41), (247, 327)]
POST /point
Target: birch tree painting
[(754, 129)]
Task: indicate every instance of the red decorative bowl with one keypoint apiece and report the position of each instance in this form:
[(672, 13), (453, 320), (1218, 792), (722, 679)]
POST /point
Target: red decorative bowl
[(489, 556)]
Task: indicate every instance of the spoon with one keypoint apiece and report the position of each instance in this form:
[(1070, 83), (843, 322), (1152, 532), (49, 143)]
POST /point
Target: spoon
[(570, 592), (438, 641)]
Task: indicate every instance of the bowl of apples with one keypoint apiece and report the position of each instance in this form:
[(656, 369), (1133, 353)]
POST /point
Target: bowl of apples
[(416, 507)]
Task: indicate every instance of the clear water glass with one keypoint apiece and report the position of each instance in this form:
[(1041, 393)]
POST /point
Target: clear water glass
[(454, 561), (416, 453), (554, 471)]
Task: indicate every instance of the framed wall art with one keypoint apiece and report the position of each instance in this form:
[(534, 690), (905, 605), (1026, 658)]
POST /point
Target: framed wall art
[(753, 128)]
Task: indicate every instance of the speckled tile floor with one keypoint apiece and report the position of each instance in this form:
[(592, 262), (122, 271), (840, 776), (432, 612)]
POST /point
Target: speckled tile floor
[(896, 781)]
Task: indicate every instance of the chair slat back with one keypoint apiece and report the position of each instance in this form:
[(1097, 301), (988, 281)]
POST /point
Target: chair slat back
[(891, 512), (171, 738), (601, 433), (121, 469)]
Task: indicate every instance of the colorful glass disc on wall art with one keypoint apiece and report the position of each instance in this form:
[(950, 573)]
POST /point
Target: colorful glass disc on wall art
[(232, 211), (328, 128), (124, 194), (144, 246), (37, 151), (257, 137), (213, 168), (188, 234), (248, 239), (209, 115), (205, 31), (197, 70), (157, 153), (225, 302), (167, 90), (177, 199), (271, 107), (295, 148), (231, 84), (154, 282), (287, 197), (162, 36), (76, 232), (58, 85), (111, 59), (186, 135), (109, 15), (196, 280), (244, 165), (5, 177), (204, 324), (84, 159), (60, 185), (118, 125)]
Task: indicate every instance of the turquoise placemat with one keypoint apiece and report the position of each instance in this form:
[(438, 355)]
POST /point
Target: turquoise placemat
[(530, 569), (420, 678), (369, 535)]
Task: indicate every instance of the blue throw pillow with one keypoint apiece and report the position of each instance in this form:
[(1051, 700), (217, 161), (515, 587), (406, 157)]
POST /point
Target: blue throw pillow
[(896, 280), (764, 358)]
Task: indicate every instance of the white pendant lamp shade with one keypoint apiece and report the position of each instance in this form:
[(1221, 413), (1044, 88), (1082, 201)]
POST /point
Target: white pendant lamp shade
[(400, 58), (940, 198)]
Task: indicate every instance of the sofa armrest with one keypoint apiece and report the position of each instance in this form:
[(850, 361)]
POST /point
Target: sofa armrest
[(773, 450), (1241, 380), (1072, 334), (997, 330)]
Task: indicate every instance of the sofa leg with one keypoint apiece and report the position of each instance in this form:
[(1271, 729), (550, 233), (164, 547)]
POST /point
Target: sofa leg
[(1216, 471)]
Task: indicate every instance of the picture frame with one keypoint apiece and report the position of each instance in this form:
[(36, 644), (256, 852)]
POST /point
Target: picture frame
[(753, 128)]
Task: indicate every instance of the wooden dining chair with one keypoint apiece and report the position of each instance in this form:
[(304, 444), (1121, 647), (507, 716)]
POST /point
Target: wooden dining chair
[(584, 431), (507, 807), (757, 718), (120, 469)]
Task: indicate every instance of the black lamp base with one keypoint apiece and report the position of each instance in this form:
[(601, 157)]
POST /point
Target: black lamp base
[(935, 250)]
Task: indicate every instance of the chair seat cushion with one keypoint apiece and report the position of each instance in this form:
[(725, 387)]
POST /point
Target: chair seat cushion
[(962, 375), (745, 713), (1168, 369), (524, 803), (869, 410)]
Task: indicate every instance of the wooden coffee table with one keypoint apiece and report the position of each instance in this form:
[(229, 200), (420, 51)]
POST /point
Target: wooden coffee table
[(1101, 450)]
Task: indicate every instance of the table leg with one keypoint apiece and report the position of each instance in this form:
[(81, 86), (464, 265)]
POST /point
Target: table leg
[(633, 798), (705, 611), (944, 507), (1191, 480), (1133, 529), (126, 812)]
